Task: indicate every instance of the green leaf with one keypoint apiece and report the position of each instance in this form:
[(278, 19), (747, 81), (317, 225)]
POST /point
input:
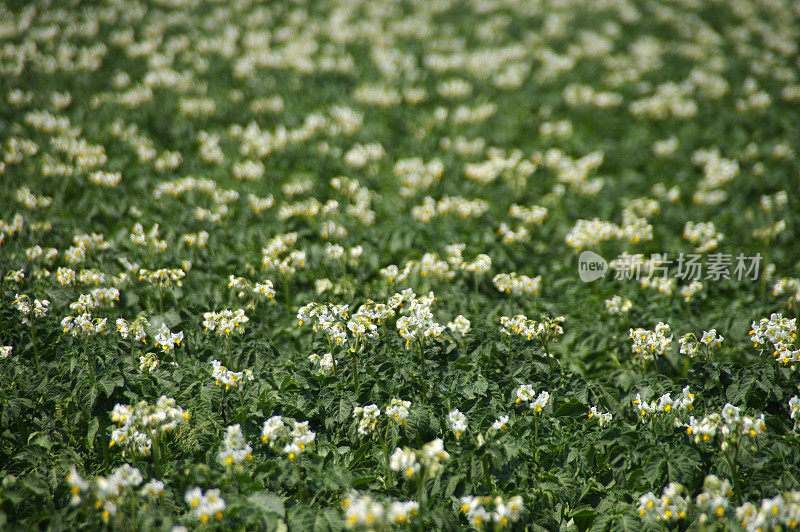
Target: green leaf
[(571, 409), (627, 523), (267, 502), (301, 518), (328, 520), (92, 432), (40, 439), (600, 523)]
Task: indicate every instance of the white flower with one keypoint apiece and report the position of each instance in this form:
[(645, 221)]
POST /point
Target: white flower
[(433, 455), (323, 364), (524, 393), (235, 449), (398, 410), (602, 417), (367, 418), (794, 408), (457, 423), (405, 461), (273, 429), (154, 488), (400, 512), (618, 306), (711, 337), (647, 345), (459, 325), (500, 424), (225, 322), (540, 402), (230, 379), (362, 512), (166, 339), (204, 507), (77, 485)]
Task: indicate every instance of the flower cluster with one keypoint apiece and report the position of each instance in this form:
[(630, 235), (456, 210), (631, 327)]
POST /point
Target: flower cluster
[(139, 425), (225, 322), (277, 257), (416, 320), (465, 208), (481, 265), (31, 308), (292, 442), (545, 331), (688, 291), (481, 512), (429, 459), (690, 346), (361, 511), (665, 404), (703, 235), (460, 325), (204, 506), (617, 306), (166, 339), (405, 461), (326, 317), (163, 277), (255, 291), (714, 499), (603, 418), (788, 286), (517, 285), (109, 493), (323, 364), (398, 410), (728, 426), (781, 512), (84, 325), (457, 422), (648, 345), (671, 506), (235, 449), (228, 378), (527, 394), (367, 417), (781, 333), (148, 239), (135, 330)]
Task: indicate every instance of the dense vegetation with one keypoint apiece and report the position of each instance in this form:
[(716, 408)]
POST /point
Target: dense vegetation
[(325, 264)]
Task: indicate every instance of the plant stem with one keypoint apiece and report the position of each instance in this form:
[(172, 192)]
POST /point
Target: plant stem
[(242, 414), (475, 278), (386, 454), (89, 358), (421, 498), (35, 349), (333, 355), (300, 486), (353, 360), (228, 350), (157, 456), (487, 477), (424, 372), (734, 471)]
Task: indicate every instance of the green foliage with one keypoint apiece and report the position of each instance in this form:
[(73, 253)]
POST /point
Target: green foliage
[(573, 468)]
